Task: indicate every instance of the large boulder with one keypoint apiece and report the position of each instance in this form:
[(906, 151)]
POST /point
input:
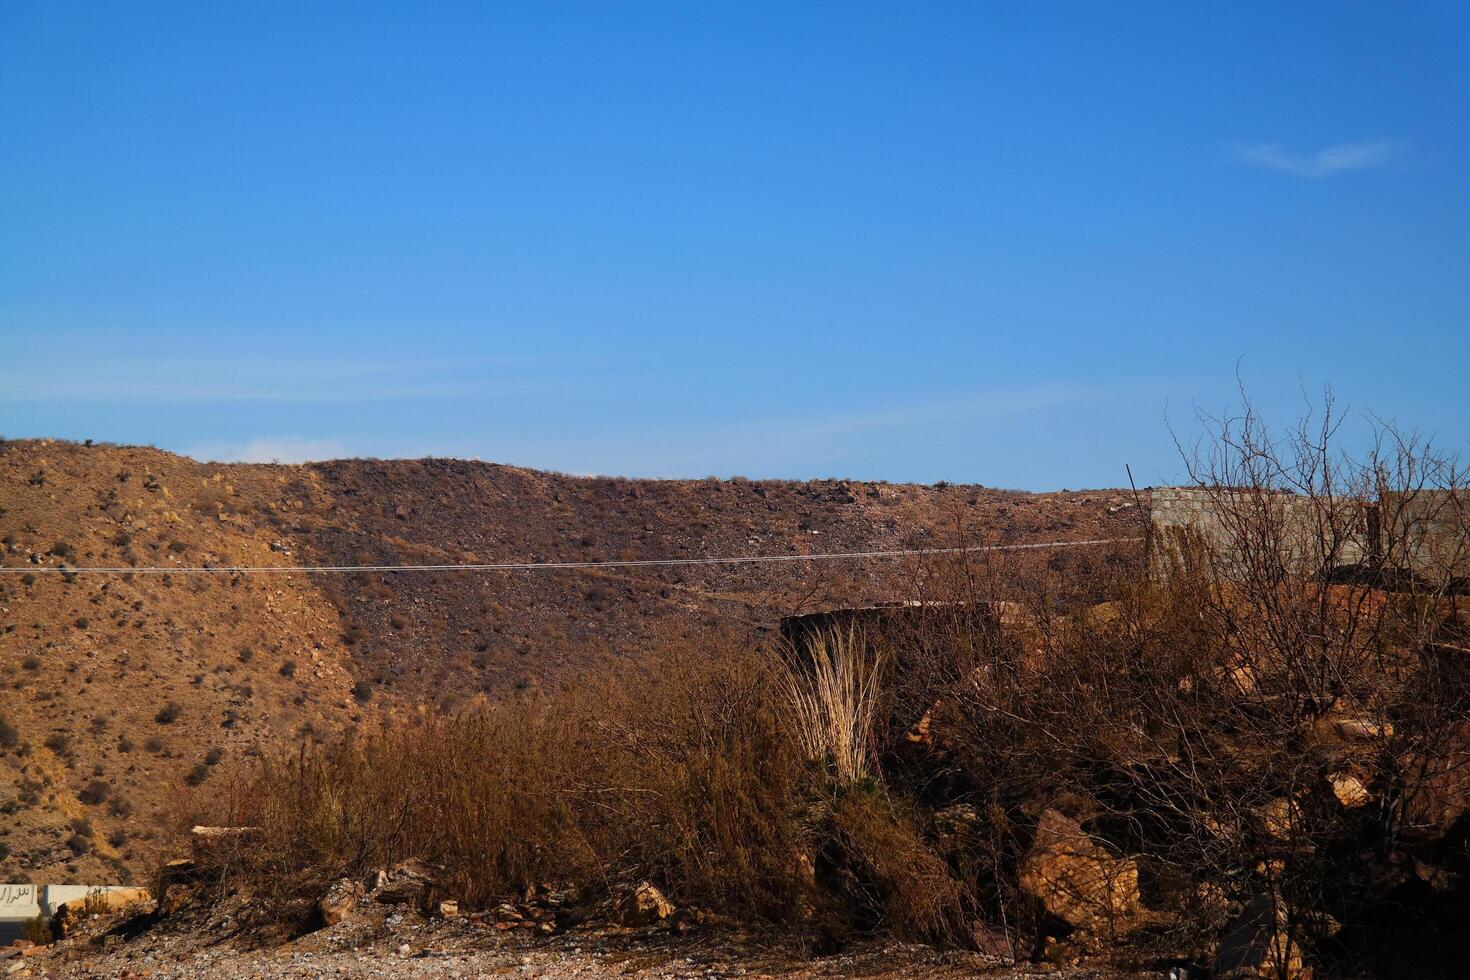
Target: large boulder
[(1077, 879), (646, 905), (340, 901)]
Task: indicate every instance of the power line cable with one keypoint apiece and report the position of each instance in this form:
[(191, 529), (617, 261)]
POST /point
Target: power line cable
[(538, 566)]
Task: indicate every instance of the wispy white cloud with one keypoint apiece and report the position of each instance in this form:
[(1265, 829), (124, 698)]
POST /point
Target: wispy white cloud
[(279, 449), (795, 443), (1340, 158), (89, 376)]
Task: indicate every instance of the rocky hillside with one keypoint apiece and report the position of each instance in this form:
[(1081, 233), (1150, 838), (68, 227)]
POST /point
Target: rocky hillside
[(120, 695)]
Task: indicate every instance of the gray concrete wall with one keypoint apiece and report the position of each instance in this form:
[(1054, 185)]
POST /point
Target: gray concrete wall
[(1313, 536), (19, 903)]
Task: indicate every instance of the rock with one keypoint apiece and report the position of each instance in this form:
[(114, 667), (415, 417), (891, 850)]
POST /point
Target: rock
[(1077, 879), (214, 846), (646, 906), (340, 901), (1277, 818), (222, 833), (449, 908), (1256, 944), (408, 884), (1348, 789), (1435, 877)]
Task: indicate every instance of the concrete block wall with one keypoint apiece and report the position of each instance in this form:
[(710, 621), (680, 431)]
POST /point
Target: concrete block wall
[(1185, 517)]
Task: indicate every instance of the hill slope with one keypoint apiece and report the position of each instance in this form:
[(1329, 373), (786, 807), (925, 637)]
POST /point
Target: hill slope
[(118, 693)]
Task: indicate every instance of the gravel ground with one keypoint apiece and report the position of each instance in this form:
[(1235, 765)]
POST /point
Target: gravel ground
[(408, 946)]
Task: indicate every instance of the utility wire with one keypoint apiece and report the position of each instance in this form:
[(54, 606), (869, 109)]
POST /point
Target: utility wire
[(536, 566)]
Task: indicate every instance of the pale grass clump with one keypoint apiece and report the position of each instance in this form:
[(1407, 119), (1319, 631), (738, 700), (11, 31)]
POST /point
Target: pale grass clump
[(833, 690)]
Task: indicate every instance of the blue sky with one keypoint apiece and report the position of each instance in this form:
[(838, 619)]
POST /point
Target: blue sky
[(971, 241)]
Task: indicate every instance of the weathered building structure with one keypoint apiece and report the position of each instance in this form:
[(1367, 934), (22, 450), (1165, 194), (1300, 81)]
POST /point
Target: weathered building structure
[(1425, 534)]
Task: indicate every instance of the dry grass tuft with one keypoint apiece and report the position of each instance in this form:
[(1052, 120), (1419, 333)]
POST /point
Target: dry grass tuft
[(834, 695)]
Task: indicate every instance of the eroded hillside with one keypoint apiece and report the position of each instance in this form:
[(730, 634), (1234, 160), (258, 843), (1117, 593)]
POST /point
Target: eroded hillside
[(122, 694)]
